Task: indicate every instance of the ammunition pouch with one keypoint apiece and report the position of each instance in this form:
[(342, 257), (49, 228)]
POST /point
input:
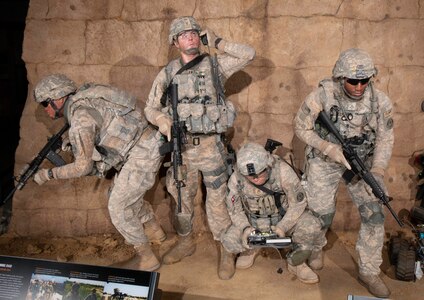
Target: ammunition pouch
[(117, 138), (207, 118)]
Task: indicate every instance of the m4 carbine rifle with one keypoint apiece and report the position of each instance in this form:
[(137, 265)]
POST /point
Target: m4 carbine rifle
[(54, 143), (175, 146), (358, 166)]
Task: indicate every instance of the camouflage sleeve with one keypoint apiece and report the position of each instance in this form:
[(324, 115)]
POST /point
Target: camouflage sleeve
[(296, 197), (235, 57), (81, 136), (304, 121), (153, 106), (234, 204), (384, 135)]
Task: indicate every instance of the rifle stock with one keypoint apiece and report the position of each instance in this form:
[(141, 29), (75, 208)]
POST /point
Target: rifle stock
[(358, 166)]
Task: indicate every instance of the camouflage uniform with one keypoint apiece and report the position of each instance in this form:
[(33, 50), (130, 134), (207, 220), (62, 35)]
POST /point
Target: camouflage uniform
[(366, 122), (249, 206), (206, 116), (107, 129)]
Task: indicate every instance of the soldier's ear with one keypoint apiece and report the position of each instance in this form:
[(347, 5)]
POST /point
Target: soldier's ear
[(175, 41)]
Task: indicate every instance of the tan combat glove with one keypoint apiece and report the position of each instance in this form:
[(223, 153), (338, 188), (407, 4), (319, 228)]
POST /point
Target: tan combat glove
[(378, 174), (246, 232), (213, 40), (335, 152), (43, 175), (66, 145), (165, 124), (278, 231)]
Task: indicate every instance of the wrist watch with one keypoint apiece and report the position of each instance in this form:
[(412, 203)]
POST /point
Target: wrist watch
[(50, 174)]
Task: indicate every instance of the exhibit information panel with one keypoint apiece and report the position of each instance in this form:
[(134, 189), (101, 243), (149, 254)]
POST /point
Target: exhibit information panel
[(36, 279)]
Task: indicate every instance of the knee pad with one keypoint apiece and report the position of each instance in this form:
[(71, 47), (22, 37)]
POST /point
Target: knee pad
[(371, 213), (183, 224), (298, 256), (326, 220)]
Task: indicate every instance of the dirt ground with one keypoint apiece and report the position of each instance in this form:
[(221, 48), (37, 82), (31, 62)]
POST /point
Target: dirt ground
[(196, 276)]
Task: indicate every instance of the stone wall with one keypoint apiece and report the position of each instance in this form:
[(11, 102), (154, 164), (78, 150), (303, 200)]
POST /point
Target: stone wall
[(124, 43)]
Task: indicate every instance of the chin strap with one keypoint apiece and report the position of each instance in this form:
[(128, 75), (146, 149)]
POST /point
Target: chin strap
[(57, 113)]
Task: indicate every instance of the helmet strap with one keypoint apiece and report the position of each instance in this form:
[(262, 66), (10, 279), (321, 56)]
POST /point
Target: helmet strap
[(342, 83), (57, 111)]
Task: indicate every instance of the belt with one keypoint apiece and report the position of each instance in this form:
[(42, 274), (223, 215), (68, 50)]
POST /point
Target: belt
[(195, 138)]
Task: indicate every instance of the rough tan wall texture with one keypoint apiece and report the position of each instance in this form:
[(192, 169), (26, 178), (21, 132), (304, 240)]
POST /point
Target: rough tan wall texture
[(124, 43)]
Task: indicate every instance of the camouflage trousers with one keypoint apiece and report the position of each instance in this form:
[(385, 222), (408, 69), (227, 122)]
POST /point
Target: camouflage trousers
[(203, 155), (127, 208), (304, 235), (323, 178)]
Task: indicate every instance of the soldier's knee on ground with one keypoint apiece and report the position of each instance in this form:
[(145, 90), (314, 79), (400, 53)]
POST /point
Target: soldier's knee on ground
[(371, 213)]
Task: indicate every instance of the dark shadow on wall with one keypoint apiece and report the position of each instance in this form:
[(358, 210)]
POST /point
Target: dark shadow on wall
[(13, 91)]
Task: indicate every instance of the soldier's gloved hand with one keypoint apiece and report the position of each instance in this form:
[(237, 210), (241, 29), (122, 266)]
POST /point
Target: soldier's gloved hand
[(380, 181), (278, 231), (246, 232), (42, 176), (165, 124), (335, 152), (66, 145), (212, 38)]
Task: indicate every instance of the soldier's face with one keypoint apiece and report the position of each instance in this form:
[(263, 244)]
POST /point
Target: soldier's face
[(259, 179), (54, 108), (355, 87), (188, 42)]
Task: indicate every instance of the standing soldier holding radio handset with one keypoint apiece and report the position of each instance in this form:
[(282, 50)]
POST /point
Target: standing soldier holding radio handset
[(206, 115), (363, 116), (266, 195)]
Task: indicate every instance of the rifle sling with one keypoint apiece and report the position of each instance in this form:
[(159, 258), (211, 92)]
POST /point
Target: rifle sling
[(187, 66), (277, 197)]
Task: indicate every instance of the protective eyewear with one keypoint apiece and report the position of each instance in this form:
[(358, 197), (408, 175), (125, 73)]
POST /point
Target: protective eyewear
[(45, 103), (352, 81)]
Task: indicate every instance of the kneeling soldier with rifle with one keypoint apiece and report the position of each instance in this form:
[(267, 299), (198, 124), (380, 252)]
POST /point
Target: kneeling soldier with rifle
[(266, 200)]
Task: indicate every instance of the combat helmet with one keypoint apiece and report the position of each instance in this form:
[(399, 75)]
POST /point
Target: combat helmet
[(354, 63), (252, 159), (53, 87), (182, 24)]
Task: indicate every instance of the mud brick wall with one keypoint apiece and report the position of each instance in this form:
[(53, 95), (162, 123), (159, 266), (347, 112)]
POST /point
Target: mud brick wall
[(124, 43)]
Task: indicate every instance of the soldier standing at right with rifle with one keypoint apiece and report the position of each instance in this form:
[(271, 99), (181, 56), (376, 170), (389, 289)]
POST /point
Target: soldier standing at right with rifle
[(363, 116), (206, 115)]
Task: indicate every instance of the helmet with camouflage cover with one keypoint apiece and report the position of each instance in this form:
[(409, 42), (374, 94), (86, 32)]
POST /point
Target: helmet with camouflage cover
[(54, 87), (252, 159), (182, 24), (354, 63)]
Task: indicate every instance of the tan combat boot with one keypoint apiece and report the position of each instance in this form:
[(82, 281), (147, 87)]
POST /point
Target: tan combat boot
[(246, 259), (154, 231), (185, 247), (303, 273), (144, 259), (375, 285), (226, 268), (315, 261)]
